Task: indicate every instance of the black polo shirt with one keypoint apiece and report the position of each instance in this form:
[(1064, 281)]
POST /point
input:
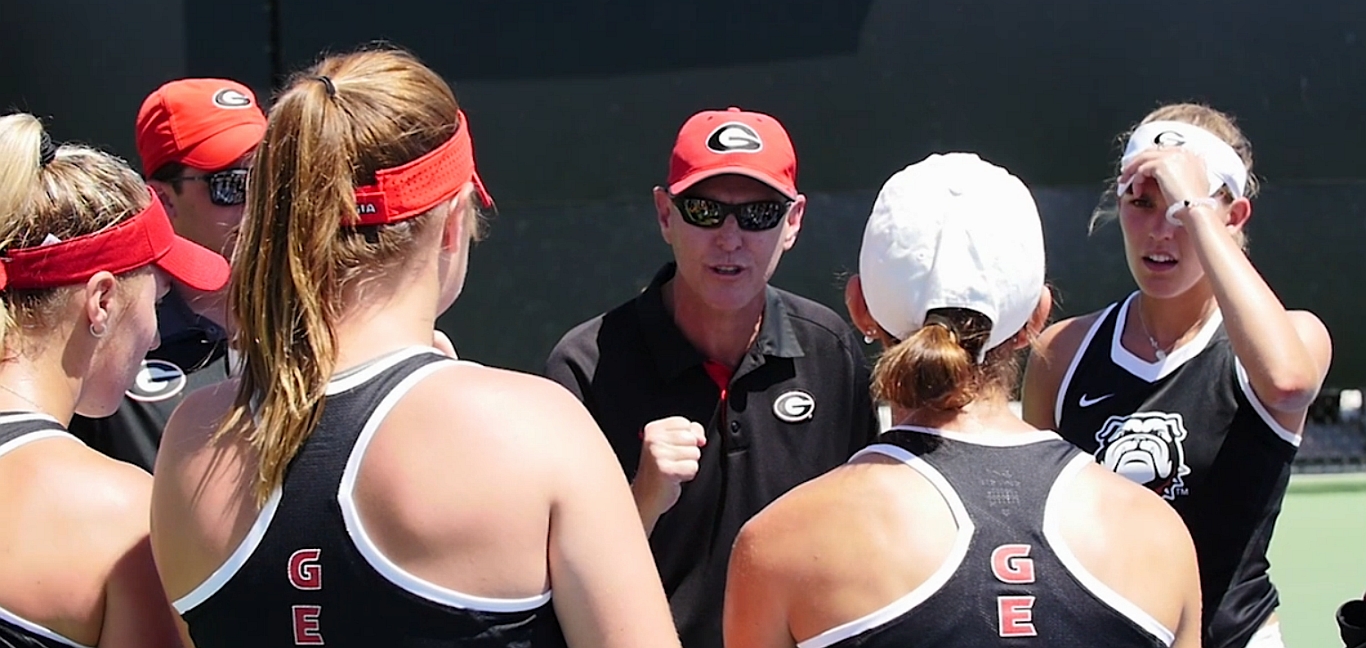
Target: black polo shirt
[(797, 406), (193, 354)]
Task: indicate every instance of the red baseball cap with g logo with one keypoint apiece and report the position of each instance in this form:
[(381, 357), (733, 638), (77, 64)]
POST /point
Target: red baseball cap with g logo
[(202, 123), (733, 141)]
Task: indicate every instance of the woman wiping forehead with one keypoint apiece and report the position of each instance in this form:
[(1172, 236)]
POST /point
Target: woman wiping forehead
[(1197, 384)]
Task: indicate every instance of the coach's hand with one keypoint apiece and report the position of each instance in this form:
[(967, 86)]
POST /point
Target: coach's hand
[(669, 454)]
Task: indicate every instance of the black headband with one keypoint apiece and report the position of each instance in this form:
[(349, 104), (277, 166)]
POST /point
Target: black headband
[(327, 84), (47, 151)]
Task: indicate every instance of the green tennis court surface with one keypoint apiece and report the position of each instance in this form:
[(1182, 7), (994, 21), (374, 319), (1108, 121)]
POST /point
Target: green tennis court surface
[(1318, 555)]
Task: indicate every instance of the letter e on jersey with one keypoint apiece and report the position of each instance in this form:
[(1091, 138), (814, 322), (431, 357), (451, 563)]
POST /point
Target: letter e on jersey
[(307, 628), (304, 571), (1016, 614)]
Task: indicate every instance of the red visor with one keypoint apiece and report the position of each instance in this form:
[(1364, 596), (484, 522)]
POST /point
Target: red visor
[(412, 189), (143, 239)]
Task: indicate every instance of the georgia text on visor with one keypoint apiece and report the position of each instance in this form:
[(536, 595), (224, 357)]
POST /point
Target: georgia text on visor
[(411, 189)]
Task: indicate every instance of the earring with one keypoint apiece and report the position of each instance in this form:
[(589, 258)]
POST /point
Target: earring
[(868, 337), (98, 333)]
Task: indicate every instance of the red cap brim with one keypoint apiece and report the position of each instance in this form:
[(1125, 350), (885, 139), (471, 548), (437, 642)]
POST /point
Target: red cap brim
[(703, 174), (225, 148), (195, 266)]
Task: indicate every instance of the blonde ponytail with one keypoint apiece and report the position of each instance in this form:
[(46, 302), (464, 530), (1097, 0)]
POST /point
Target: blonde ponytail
[(76, 191)]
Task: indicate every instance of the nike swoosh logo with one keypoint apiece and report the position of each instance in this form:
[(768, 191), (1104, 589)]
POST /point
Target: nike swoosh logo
[(1087, 402)]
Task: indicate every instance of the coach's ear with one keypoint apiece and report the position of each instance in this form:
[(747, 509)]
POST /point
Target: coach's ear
[(664, 207), (165, 193)]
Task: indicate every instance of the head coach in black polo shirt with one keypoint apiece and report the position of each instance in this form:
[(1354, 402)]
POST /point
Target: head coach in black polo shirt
[(717, 391)]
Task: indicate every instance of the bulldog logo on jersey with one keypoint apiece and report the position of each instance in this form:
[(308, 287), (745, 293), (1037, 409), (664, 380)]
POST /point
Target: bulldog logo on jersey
[(1147, 448)]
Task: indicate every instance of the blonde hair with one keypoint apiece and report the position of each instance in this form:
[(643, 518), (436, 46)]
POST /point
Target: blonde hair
[(78, 191), (1220, 124), (297, 252), (936, 367)]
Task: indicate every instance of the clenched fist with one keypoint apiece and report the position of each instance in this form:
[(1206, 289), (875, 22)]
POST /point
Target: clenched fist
[(671, 449)]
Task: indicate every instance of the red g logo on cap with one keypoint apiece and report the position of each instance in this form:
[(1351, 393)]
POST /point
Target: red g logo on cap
[(707, 142), (202, 123)]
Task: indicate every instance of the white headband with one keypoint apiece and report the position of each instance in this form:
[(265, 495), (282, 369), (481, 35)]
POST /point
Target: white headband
[(1223, 165)]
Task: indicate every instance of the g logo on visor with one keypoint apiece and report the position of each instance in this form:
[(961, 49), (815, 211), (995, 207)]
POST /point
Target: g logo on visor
[(157, 380), (734, 137), (1169, 138), (794, 406)]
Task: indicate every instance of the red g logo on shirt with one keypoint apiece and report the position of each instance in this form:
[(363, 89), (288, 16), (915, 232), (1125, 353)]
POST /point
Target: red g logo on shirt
[(1012, 565), (305, 573)]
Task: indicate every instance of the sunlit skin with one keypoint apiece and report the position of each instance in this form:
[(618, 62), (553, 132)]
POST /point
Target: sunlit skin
[(130, 334), (717, 295), (1163, 262), (1286, 352), (91, 576), (66, 368)]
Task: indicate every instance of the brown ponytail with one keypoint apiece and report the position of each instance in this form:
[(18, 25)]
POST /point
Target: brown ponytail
[(297, 253), (936, 368)]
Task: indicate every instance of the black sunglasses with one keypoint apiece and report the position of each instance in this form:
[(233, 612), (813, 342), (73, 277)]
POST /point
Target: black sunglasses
[(226, 188), (751, 216)]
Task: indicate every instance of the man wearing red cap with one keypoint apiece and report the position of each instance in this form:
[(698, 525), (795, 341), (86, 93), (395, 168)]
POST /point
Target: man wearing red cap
[(196, 138), (717, 391)]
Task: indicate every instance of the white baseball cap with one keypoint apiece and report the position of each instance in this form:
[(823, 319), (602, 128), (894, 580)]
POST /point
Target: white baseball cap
[(953, 231)]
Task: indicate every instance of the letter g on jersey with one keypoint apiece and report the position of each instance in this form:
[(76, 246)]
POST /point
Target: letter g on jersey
[(734, 137), (794, 406), (157, 380)]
